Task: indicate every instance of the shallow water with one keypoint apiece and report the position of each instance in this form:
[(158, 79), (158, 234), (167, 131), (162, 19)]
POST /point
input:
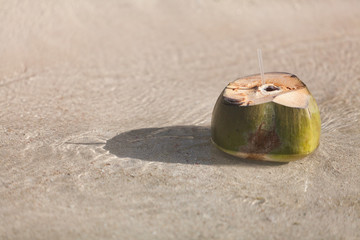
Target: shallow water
[(106, 108)]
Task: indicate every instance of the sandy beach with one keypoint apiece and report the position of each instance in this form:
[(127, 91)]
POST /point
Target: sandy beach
[(106, 110)]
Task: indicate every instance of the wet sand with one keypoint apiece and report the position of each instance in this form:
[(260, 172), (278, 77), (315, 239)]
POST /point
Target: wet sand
[(106, 108)]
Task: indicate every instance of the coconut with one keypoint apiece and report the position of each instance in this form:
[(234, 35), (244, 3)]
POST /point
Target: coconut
[(275, 121)]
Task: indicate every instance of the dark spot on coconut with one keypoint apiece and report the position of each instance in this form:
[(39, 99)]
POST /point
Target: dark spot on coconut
[(262, 141), (231, 100)]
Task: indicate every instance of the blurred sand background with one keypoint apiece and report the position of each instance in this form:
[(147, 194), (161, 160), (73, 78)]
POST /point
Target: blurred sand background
[(106, 108)]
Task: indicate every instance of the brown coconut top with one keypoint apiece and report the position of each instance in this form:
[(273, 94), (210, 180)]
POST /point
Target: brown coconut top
[(282, 88)]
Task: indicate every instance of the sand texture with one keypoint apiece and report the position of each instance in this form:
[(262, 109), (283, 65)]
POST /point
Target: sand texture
[(106, 109)]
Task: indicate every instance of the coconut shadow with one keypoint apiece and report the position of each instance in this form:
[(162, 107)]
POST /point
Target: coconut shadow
[(174, 144)]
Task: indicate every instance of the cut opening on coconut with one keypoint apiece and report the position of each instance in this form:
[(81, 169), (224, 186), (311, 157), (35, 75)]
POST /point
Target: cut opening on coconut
[(282, 88), (268, 89), (271, 88)]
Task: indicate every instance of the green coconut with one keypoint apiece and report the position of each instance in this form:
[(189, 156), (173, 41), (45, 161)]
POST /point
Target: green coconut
[(275, 121)]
